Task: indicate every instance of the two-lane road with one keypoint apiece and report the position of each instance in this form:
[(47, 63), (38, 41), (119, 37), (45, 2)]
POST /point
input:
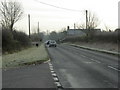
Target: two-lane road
[(80, 68)]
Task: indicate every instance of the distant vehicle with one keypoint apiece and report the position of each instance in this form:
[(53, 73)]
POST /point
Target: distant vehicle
[(47, 42), (51, 43)]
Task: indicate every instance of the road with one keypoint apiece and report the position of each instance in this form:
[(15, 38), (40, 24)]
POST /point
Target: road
[(80, 68)]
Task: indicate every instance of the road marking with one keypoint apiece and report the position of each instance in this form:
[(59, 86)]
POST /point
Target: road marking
[(51, 68), (52, 71), (95, 61), (47, 61), (58, 84), (83, 55), (55, 77), (113, 68)]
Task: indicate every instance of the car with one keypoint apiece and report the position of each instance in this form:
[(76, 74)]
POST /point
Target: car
[(47, 42), (51, 43)]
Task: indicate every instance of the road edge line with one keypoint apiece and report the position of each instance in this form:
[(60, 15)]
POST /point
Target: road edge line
[(55, 77)]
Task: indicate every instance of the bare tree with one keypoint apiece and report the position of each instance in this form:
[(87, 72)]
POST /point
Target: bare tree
[(10, 13), (92, 21), (81, 26)]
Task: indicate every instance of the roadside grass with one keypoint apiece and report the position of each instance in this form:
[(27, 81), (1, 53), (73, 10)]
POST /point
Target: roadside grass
[(33, 55)]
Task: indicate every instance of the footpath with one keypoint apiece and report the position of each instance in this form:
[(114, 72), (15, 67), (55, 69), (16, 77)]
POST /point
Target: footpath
[(33, 76)]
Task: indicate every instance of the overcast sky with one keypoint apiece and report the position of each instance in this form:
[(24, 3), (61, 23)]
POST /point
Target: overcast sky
[(51, 18)]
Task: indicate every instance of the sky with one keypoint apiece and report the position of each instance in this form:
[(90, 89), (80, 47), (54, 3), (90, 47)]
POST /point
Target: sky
[(52, 18)]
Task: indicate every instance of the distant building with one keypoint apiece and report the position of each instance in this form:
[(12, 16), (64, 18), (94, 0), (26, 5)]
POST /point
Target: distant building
[(81, 32), (75, 32)]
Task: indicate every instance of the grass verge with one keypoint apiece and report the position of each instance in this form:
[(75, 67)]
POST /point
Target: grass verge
[(33, 55), (95, 49)]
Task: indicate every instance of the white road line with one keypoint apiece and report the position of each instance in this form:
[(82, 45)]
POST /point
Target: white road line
[(55, 78), (113, 68), (95, 61), (54, 75), (92, 59), (47, 61), (52, 71), (58, 84), (50, 66), (83, 55)]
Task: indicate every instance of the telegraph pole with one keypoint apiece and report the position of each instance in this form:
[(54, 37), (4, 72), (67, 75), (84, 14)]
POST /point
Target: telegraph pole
[(74, 26), (29, 24), (86, 19), (38, 27)]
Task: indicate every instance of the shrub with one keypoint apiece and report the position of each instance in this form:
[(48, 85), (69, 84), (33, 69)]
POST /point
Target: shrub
[(98, 37), (14, 40), (22, 38)]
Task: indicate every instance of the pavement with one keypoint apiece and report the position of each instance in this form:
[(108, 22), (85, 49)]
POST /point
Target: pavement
[(81, 68), (33, 76)]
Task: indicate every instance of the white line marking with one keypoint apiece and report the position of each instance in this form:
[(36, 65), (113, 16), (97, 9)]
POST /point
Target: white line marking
[(55, 79), (54, 75), (52, 71), (51, 68), (47, 61), (95, 61), (92, 59), (83, 56), (50, 64), (58, 84), (113, 68)]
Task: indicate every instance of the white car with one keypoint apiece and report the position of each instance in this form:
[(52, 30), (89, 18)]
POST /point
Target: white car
[(51, 43)]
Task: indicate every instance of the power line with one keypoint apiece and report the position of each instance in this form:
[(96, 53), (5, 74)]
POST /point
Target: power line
[(57, 6)]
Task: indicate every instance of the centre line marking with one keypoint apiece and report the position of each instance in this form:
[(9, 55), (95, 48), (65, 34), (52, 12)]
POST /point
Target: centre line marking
[(113, 68), (95, 61), (83, 56)]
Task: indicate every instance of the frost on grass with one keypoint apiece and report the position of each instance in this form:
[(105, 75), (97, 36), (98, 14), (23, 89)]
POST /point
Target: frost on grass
[(26, 56)]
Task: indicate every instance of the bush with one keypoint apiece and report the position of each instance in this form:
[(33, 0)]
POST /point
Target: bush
[(98, 37), (14, 41), (22, 38), (7, 40), (106, 37)]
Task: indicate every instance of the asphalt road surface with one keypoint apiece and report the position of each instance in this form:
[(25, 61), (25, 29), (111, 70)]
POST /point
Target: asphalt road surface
[(80, 68)]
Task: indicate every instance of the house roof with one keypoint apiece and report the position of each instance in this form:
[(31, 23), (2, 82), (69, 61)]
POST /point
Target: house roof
[(84, 30)]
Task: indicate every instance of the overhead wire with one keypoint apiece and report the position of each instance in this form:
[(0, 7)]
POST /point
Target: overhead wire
[(57, 6)]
